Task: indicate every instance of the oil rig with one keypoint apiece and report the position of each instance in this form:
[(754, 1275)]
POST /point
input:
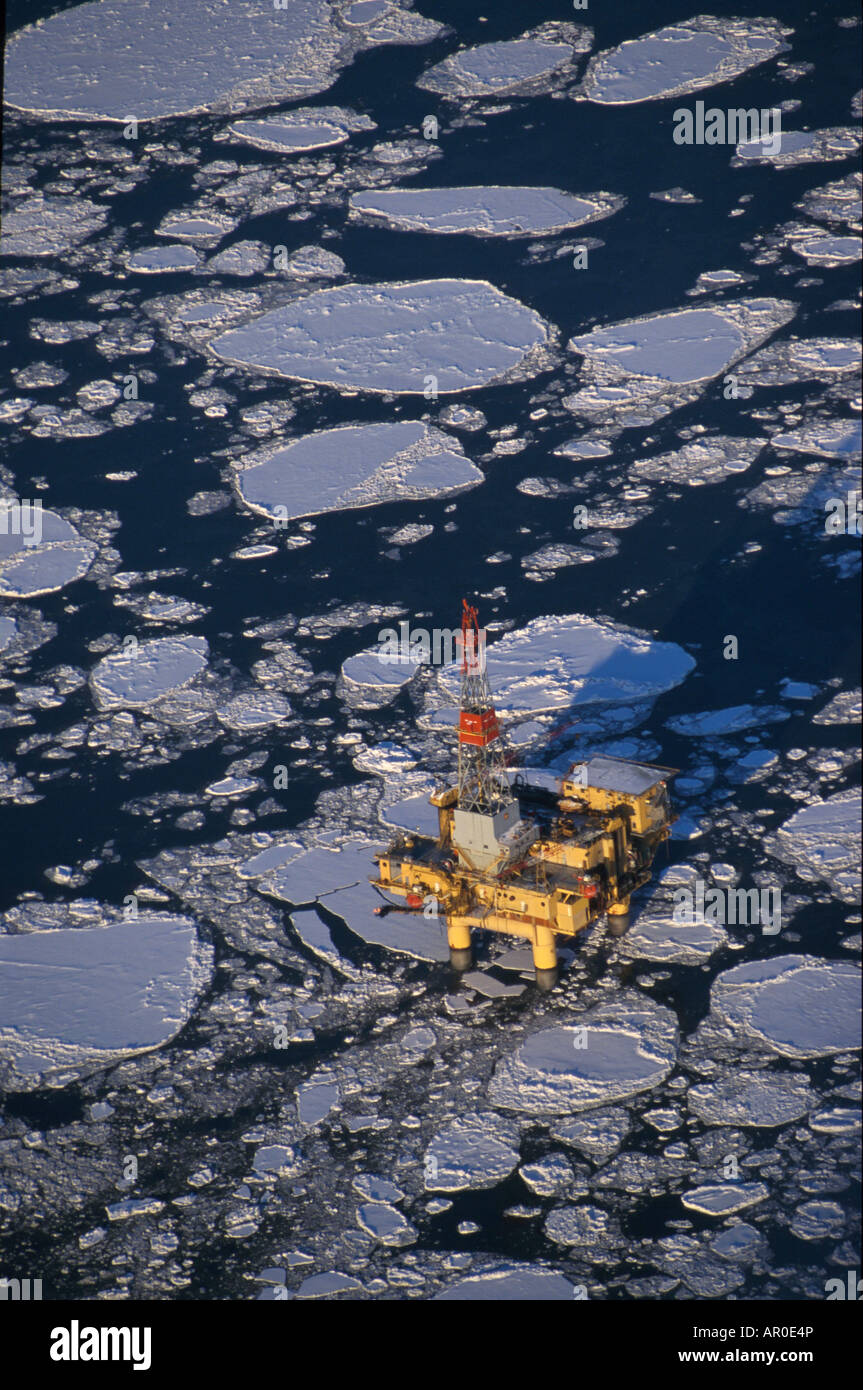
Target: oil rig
[(535, 862)]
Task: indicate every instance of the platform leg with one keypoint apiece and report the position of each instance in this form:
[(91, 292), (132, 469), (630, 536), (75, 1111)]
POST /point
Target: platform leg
[(545, 958), (618, 918), (460, 953)]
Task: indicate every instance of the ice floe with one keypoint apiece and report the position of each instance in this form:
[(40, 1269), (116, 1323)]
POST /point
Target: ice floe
[(471, 1153), (573, 661), (40, 552), (614, 1051), (583, 1225), (49, 226), (799, 147), (510, 1283), (522, 66), (146, 671), (637, 371), (724, 1199), (822, 841), (684, 57), (80, 998), (798, 1006), (761, 1099), (307, 128), (456, 334), (354, 466), (700, 463), (111, 61), (482, 211)]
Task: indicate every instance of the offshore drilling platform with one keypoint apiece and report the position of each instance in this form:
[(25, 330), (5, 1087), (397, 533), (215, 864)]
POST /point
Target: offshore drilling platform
[(524, 860)]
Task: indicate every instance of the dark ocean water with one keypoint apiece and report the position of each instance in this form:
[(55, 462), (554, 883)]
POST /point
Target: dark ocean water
[(794, 615)]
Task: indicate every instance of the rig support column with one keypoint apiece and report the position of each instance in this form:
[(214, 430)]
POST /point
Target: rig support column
[(460, 953), (544, 957), (618, 917)]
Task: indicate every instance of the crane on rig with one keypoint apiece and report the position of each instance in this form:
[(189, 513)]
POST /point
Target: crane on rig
[(517, 856)]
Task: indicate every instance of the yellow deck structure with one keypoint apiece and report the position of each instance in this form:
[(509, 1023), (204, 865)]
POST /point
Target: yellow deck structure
[(546, 864)]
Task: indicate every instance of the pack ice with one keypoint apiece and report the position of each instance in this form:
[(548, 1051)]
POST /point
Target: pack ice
[(614, 1051), (483, 211), (118, 58), (77, 999), (461, 333), (354, 466), (685, 57)]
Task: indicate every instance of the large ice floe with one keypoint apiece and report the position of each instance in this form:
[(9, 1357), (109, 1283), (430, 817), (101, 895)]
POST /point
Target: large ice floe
[(822, 841), (482, 211), (799, 147), (145, 671), (119, 59), (354, 466), (637, 371), (454, 335), (612, 1051), (682, 58), (797, 1006), (573, 661), (79, 998), (40, 552), (541, 59)]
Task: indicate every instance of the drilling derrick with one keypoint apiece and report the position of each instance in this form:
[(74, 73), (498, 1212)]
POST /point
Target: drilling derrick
[(483, 785)]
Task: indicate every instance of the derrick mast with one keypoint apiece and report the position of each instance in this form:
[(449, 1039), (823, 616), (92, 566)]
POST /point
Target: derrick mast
[(483, 785), (487, 830)]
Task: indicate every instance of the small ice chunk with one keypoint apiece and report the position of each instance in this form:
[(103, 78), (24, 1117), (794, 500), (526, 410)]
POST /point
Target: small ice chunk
[(512, 1283), (725, 1198)]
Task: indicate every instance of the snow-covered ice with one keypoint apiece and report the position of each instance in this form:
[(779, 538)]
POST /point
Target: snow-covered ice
[(684, 57), (761, 1099), (353, 466), (77, 999), (823, 842), (472, 1152), (458, 334), (797, 1006), (629, 1045), (31, 563), (511, 66), (138, 675), (308, 128), (112, 60), (573, 661), (482, 211)]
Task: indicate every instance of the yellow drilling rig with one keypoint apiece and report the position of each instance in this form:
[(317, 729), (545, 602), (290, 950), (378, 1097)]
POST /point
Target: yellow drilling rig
[(520, 858)]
